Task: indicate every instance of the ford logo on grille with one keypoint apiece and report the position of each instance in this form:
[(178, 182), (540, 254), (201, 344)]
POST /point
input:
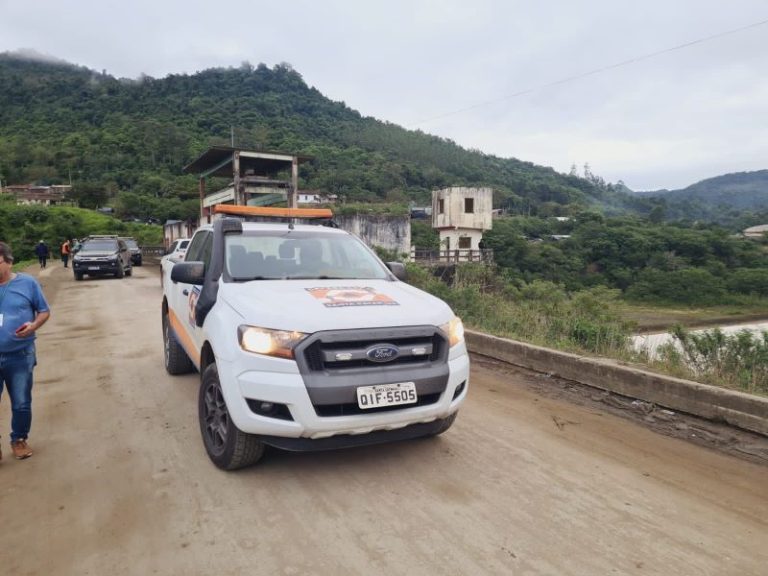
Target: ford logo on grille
[(382, 353)]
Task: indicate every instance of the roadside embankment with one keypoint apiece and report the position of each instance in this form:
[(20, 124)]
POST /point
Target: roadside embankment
[(719, 404)]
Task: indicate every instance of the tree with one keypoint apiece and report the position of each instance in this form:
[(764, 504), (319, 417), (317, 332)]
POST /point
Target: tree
[(89, 194), (656, 215)]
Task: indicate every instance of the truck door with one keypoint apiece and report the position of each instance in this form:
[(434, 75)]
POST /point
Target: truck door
[(186, 295)]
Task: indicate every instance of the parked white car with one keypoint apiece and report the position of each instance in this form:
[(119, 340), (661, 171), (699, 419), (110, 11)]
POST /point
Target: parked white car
[(178, 249), (175, 253)]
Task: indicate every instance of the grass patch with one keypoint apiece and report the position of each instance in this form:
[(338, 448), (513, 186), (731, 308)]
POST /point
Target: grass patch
[(738, 361), (350, 209), (596, 322), (662, 317), (540, 313)]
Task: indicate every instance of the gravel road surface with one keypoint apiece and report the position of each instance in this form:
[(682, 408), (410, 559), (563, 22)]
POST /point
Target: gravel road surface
[(523, 484)]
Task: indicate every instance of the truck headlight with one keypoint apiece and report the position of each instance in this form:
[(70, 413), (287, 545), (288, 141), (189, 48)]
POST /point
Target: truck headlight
[(455, 331), (269, 342)]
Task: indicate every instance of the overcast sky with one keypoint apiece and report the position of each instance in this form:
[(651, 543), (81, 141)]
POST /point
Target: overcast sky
[(488, 74)]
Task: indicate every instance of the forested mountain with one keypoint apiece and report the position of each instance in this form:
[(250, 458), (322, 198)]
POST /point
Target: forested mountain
[(130, 138), (716, 198)]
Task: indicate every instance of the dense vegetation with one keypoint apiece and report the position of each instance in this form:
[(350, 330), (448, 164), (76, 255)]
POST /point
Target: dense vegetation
[(739, 199), (647, 262), (736, 361), (590, 321), (24, 226), (124, 142)]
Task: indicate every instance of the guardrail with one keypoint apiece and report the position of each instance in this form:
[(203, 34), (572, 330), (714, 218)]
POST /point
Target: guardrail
[(448, 256), (153, 250), (739, 409)]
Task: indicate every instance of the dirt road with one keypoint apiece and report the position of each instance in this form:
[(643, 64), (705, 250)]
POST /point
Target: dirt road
[(522, 484)]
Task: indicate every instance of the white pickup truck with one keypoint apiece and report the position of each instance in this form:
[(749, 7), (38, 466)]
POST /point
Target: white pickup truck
[(305, 340)]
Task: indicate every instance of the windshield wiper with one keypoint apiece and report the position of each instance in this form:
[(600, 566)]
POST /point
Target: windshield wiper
[(314, 277), (250, 278)]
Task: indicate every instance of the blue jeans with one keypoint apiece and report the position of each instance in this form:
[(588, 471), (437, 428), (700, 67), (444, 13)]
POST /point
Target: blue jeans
[(16, 373)]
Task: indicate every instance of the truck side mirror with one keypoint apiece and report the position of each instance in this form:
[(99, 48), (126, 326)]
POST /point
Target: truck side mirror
[(398, 269), (188, 273)]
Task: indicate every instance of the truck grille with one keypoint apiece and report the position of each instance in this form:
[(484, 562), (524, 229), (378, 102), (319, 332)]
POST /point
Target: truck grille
[(321, 355), (335, 363)]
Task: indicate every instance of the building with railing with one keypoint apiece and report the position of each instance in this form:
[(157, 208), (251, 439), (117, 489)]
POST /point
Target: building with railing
[(31, 194), (460, 215), (425, 256)]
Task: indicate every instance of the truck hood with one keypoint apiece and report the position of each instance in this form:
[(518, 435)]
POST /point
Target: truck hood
[(313, 305)]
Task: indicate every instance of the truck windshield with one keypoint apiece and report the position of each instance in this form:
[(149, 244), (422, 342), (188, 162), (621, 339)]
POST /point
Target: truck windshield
[(99, 246), (283, 254)]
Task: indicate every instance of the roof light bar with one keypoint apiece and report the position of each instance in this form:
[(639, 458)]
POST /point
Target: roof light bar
[(233, 210)]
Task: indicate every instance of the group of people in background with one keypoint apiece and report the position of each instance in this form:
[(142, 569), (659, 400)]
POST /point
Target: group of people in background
[(43, 252)]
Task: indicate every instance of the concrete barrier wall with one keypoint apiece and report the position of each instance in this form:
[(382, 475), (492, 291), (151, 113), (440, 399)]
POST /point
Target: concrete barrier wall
[(386, 231), (736, 408)]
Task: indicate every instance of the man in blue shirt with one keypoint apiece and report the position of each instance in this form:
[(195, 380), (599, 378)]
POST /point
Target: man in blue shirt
[(23, 310)]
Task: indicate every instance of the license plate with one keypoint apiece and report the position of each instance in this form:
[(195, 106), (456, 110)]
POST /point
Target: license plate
[(386, 395), (93, 267)]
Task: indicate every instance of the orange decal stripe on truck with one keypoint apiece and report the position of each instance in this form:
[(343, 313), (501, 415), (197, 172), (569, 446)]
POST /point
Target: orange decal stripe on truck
[(184, 338)]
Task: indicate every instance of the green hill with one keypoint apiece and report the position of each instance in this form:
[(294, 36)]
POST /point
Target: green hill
[(715, 198), (129, 139)]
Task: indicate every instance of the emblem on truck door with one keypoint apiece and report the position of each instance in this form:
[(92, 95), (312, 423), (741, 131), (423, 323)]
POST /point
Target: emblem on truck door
[(382, 353)]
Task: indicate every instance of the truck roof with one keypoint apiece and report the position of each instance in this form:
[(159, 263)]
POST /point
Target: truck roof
[(278, 226)]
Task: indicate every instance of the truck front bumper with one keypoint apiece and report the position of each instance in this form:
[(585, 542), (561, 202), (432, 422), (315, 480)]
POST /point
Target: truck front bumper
[(279, 381)]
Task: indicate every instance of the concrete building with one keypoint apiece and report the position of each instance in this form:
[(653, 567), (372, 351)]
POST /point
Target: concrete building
[(29, 194), (174, 229), (756, 231), (461, 215)]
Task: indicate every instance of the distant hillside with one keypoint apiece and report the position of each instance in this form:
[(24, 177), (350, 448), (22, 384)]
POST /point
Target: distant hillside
[(730, 192), (130, 138)]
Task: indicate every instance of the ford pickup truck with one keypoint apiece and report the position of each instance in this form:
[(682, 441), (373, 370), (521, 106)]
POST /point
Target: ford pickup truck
[(305, 340)]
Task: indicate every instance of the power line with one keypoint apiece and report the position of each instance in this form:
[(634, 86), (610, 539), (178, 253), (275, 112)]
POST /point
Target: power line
[(596, 71)]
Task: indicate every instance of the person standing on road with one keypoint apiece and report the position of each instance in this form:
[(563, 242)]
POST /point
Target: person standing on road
[(42, 253), (23, 310), (66, 248)]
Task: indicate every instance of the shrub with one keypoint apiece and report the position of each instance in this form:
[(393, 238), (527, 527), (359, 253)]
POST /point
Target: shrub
[(688, 286), (749, 281), (739, 360)]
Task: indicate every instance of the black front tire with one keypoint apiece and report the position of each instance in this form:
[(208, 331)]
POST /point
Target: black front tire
[(176, 359), (78, 276), (227, 446), (120, 272)]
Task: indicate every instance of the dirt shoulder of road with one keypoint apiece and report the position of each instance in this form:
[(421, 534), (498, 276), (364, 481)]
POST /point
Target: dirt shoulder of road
[(716, 436)]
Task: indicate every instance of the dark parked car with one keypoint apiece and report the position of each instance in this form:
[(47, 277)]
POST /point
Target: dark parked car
[(102, 256), (135, 249)]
